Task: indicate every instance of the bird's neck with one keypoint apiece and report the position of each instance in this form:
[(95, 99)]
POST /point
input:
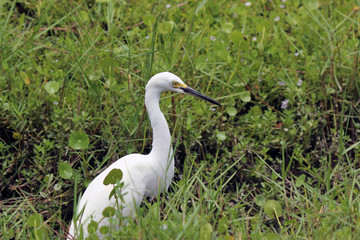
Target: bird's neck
[(161, 145)]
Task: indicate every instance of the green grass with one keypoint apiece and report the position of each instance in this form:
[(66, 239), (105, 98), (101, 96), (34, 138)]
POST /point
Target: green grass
[(286, 138)]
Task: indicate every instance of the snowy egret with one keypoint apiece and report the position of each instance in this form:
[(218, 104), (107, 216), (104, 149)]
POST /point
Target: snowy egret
[(143, 175)]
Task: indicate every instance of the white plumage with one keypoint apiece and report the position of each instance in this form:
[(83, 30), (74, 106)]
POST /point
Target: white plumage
[(143, 175)]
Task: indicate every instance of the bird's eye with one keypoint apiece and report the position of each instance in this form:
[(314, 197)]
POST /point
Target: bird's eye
[(175, 84)]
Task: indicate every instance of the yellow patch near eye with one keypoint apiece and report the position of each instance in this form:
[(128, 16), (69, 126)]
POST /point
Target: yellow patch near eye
[(178, 85)]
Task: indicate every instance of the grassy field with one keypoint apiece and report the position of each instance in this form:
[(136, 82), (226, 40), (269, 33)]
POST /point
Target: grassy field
[(279, 160)]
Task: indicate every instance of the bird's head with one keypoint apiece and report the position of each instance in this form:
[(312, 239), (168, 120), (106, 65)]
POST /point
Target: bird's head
[(166, 81)]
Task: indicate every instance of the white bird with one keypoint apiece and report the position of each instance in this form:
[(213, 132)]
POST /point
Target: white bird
[(143, 175)]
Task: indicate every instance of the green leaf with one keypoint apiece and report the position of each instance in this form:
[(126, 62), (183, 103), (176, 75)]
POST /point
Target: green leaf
[(35, 220), (312, 4), (57, 187), (223, 225), (236, 37), (25, 77), (104, 230), (79, 140), (93, 226), (221, 51), (149, 20), (256, 111), (205, 231), (245, 96), (17, 136), (112, 193), (221, 135), (52, 87), (108, 212), (231, 111), (166, 27), (48, 179), (123, 49), (200, 62), (113, 176), (108, 64), (40, 233), (272, 208), (188, 122), (293, 18), (84, 15), (65, 170), (330, 90), (260, 200), (300, 180), (227, 27)]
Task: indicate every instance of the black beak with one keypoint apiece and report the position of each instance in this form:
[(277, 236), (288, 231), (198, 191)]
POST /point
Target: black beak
[(192, 92)]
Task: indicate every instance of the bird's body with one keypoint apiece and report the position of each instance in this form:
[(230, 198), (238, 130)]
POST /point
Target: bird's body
[(143, 175)]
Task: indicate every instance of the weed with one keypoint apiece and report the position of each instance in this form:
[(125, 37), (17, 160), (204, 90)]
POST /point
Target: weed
[(280, 160)]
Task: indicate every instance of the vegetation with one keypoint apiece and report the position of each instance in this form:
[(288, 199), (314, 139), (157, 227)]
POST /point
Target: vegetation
[(280, 159)]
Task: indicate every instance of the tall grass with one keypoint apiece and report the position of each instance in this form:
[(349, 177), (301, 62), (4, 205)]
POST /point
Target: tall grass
[(280, 159)]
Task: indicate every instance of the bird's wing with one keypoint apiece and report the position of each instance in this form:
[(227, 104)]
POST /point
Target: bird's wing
[(96, 197)]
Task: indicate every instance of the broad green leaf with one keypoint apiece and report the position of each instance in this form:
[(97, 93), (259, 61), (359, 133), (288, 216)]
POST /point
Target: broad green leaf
[(245, 45), (79, 140), (93, 226), (228, 237), (300, 180), (330, 90), (231, 111), (256, 110), (312, 4), (149, 20), (260, 200), (17, 136), (292, 18), (221, 51), (108, 64), (223, 225), (35, 220), (57, 187), (166, 27), (221, 135), (104, 230), (206, 231), (245, 96), (84, 15), (236, 37), (263, 25), (108, 212), (52, 87), (227, 27), (94, 90), (272, 208), (40, 233), (65, 170), (113, 176)]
